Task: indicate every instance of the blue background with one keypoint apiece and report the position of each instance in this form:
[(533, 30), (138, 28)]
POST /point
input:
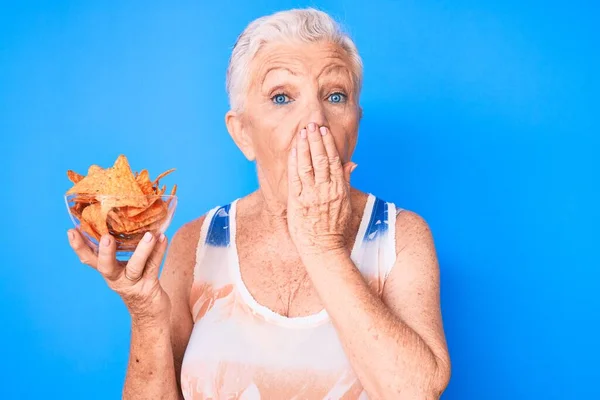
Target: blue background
[(480, 116)]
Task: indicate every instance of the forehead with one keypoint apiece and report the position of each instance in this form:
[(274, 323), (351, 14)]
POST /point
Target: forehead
[(300, 59)]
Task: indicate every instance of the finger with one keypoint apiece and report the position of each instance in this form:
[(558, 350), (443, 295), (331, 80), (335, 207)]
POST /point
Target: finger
[(305, 167), (333, 156), (294, 182), (318, 154), (137, 262), (156, 257), (107, 262), (83, 251)]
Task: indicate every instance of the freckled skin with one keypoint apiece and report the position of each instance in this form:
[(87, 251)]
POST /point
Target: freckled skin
[(393, 340), (306, 75)]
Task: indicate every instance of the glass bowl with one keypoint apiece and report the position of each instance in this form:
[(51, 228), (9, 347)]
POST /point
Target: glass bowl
[(125, 218)]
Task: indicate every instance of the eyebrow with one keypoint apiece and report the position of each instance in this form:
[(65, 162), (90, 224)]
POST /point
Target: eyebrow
[(332, 67), (273, 69)]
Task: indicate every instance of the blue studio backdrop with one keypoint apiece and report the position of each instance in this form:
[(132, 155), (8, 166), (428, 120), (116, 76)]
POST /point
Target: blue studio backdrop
[(480, 116)]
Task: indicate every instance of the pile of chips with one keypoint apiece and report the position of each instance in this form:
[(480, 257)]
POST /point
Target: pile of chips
[(118, 202)]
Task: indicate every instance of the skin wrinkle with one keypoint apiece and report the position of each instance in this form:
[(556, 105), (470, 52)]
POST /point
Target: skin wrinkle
[(393, 337), (307, 74), (386, 339), (289, 119)]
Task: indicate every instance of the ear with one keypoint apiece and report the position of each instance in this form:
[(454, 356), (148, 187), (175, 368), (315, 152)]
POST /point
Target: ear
[(235, 126)]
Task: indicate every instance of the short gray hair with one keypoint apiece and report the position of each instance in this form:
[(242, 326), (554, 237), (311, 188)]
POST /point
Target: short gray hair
[(306, 25)]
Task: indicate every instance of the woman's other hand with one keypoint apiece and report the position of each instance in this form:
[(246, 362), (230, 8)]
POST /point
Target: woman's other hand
[(319, 207)]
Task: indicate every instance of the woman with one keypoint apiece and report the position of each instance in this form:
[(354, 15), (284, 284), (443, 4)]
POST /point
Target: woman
[(306, 288)]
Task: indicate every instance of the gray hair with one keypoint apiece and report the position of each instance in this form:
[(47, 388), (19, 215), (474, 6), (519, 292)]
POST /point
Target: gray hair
[(306, 25)]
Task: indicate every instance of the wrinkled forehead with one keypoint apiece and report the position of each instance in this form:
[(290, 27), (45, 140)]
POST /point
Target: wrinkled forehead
[(276, 61)]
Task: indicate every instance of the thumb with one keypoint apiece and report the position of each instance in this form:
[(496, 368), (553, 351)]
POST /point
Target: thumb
[(348, 169)]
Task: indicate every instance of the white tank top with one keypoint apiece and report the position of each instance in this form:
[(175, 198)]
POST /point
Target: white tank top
[(240, 349)]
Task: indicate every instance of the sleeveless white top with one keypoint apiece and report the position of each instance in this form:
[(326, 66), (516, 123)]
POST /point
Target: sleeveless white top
[(240, 349)]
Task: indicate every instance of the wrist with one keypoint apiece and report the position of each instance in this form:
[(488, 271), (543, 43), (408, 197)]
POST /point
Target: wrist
[(150, 322), (331, 256)]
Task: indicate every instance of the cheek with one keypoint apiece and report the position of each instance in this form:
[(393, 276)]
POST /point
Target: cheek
[(345, 132), (283, 128), (269, 137)]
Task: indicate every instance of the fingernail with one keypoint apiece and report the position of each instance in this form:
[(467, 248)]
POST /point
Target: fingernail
[(323, 131), (70, 235), (147, 237), (106, 241), (353, 168), (303, 133), (294, 152), (312, 127), (161, 238)]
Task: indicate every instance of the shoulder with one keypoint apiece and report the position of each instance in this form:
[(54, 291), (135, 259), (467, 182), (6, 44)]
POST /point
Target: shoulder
[(411, 230), (178, 271), (413, 237), (410, 225), (416, 264), (186, 238), (181, 255), (188, 234)]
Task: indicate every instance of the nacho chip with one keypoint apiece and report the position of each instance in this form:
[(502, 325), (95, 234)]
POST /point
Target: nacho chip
[(143, 181), (74, 176), (140, 222), (90, 185), (114, 222), (119, 202), (92, 214), (117, 182), (131, 212), (156, 211), (94, 169), (77, 209), (87, 228), (148, 228)]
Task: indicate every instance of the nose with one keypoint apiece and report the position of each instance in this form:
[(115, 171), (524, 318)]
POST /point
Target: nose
[(315, 112)]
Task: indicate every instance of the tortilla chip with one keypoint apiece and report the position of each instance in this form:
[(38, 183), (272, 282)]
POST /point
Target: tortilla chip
[(131, 212), (114, 222), (87, 228), (92, 184), (92, 214), (143, 181), (77, 209), (157, 210), (139, 223), (94, 169), (74, 176), (156, 225), (119, 202), (117, 182)]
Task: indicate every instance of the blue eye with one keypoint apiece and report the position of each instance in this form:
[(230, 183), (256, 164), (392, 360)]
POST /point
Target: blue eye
[(280, 99), (337, 98)]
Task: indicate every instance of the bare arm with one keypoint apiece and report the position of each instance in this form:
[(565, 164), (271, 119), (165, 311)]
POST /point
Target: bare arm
[(395, 345), (160, 319), (157, 347)]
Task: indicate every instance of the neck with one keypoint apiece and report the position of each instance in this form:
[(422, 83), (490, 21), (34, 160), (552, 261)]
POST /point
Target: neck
[(271, 212), (267, 206)]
